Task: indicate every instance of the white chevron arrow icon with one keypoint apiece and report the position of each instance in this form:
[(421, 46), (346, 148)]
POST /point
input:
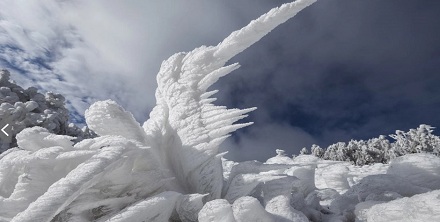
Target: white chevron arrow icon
[(3, 129), (6, 125)]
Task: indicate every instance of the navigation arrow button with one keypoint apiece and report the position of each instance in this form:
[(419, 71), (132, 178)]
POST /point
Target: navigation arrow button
[(3, 129), (6, 130)]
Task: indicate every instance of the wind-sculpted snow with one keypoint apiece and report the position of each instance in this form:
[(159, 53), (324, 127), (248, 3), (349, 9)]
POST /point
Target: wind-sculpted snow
[(83, 180), (67, 189), (421, 169), (422, 207), (170, 168), (107, 118), (185, 125), (157, 208), (166, 169), (188, 128)]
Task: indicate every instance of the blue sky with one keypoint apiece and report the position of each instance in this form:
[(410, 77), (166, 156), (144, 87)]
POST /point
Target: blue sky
[(341, 69)]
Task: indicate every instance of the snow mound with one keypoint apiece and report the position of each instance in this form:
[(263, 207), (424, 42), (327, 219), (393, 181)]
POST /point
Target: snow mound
[(216, 210), (335, 177), (378, 184), (108, 118), (280, 158), (249, 209), (395, 187), (421, 169), (36, 138), (421, 207)]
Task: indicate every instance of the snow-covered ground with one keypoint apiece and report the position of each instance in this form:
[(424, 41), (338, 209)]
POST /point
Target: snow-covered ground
[(407, 189), (169, 169)]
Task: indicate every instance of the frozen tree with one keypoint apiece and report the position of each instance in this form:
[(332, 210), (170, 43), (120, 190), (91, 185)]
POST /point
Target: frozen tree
[(317, 151), (29, 108), (415, 141), (303, 151), (381, 150), (336, 151), (361, 152)]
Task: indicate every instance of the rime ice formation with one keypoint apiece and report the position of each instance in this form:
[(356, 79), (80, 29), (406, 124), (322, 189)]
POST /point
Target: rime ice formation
[(169, 169)]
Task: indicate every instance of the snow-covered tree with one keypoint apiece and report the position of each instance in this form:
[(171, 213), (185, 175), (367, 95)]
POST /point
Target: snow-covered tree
[(415, 141), (336, 151), (27, 108), (378, 149), (304, 151), (317, 151), (381, 150)]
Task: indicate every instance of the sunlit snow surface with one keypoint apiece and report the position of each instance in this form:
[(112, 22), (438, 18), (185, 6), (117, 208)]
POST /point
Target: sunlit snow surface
[(169, 169)]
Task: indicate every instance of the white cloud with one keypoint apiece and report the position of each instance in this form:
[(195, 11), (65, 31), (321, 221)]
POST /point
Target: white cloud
[(103, 49)]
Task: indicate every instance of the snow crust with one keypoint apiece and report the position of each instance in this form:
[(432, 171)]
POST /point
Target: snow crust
[(170, 168)]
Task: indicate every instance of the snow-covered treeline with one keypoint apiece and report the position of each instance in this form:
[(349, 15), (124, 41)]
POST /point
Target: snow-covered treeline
[(381, 150), (170, 168)]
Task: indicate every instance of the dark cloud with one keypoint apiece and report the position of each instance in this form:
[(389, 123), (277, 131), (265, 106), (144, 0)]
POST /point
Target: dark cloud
[(344, 69)]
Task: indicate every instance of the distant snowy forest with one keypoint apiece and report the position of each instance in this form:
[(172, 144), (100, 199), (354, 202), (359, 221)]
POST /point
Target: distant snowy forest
[(170, 169), (381, 150)]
